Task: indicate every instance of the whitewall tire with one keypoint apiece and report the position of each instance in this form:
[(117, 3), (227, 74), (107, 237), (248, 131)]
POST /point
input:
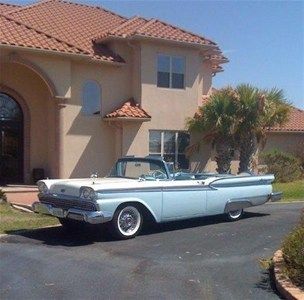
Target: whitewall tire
[(235, 215), (127, 221)]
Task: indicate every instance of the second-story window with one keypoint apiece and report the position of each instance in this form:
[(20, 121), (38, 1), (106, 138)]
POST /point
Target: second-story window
[(91, 98), (170, 71)]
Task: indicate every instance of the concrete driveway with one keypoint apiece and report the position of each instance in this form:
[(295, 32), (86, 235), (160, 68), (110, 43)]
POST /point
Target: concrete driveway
[(204, 258)]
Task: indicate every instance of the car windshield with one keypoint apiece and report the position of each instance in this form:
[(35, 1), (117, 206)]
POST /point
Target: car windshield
[(145, 169)]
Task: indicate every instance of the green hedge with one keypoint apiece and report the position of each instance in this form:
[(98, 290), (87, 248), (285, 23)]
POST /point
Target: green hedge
[(284, 166), (293, 253)]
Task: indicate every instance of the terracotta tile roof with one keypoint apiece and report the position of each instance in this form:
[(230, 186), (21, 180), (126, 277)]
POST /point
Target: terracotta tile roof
[(72, 23), (153, 28), (124, 30), (219, 58), (17, 34), (217, 68), (87, 28), (129, 110), (5, 7), (295, 122)]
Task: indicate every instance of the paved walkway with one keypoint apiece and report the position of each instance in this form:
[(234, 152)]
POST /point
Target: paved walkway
[(21, 194)]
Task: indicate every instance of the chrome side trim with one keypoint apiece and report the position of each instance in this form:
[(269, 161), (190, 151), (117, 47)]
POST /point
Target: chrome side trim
[(250, 180), (185, 188), (231, 206), (241, 203), (254, 200), (156, 189)]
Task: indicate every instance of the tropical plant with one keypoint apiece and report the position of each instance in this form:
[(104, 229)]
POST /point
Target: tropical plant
[(258, 110), (284, 166), (216, 120), (293, 247), (299, 154), (249, 111)]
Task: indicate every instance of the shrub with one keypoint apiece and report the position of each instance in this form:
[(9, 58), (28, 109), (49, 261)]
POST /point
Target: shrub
[(2, 196), (299, 154), (293, 253), (283, 165)]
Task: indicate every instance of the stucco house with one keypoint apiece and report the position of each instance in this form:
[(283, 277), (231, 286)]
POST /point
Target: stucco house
[(81, 86)]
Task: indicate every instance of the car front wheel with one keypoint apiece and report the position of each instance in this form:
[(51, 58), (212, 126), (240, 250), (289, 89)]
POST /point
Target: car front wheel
[(127, 222), (235, 215)]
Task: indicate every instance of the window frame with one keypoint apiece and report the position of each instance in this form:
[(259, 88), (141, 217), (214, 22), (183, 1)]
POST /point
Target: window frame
[(170, 71), (162, 144), (83, 98)]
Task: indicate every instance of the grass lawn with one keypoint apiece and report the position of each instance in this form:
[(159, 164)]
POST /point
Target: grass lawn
[(12, 219), (292, 191)]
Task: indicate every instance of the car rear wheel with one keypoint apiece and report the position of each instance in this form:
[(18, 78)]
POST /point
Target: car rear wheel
[(127, 222), (235, 215)]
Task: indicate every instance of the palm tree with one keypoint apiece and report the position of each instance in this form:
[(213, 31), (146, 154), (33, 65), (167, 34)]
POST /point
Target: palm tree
[(249, 111), (217, 120), (258, 110)]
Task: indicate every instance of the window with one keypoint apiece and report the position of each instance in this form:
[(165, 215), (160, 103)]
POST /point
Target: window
[(171, 145), (170, 71), (138, 168), (91, 98)]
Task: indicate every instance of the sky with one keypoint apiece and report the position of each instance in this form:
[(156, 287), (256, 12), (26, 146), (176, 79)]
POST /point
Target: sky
[(264, 40)]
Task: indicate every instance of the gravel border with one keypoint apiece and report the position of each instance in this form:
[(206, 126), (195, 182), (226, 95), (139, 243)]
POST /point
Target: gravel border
[(285, 287)]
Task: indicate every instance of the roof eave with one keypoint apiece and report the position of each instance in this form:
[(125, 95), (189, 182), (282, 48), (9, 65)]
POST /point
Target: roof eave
[(62, 53), (126, 119), (144, 37), (176, 42), (219, 61)]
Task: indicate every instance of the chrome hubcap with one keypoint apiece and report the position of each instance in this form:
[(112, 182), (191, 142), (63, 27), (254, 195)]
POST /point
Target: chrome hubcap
[(235, 213), (129, 220)]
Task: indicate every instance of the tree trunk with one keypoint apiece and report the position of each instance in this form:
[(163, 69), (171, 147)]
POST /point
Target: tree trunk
[(224, 154), (247, 148)]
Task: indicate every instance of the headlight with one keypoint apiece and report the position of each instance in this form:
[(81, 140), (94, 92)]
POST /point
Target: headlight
[(87, 193), (42, 187)]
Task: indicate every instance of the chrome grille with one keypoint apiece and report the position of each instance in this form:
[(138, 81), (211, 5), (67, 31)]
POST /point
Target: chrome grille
[(69, 203)]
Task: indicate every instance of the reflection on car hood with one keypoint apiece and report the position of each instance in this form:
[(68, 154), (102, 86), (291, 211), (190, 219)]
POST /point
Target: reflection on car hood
[(71, 187)]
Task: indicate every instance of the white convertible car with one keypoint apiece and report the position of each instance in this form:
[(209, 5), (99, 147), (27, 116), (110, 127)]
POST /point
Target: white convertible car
[(139, 189)]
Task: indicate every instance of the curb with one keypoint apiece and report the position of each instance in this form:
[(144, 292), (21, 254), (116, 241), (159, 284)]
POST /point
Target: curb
[(283, 284), (21, 207), (285, 202)]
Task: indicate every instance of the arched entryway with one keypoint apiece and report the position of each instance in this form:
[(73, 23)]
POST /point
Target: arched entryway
[(11, 140)]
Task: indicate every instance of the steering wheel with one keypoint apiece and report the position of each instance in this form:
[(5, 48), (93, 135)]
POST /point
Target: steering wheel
[(157, 174)]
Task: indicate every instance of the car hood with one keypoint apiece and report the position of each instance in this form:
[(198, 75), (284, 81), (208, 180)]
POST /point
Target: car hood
[(71, 187)]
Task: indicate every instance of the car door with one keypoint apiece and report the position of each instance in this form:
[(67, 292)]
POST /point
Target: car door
[(183, 199)]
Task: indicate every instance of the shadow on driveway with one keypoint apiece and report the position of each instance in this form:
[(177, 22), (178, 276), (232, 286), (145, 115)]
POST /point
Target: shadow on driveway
[(267, 283), (59, 236)]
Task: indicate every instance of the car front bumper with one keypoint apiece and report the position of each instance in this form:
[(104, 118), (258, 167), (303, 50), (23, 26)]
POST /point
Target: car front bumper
[(92, 217)]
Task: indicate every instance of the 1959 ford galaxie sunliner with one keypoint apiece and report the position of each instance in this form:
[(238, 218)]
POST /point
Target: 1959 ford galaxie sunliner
[(141, 188)]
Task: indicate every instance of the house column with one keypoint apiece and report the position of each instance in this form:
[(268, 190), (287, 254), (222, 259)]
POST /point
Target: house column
[(60, 108)]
